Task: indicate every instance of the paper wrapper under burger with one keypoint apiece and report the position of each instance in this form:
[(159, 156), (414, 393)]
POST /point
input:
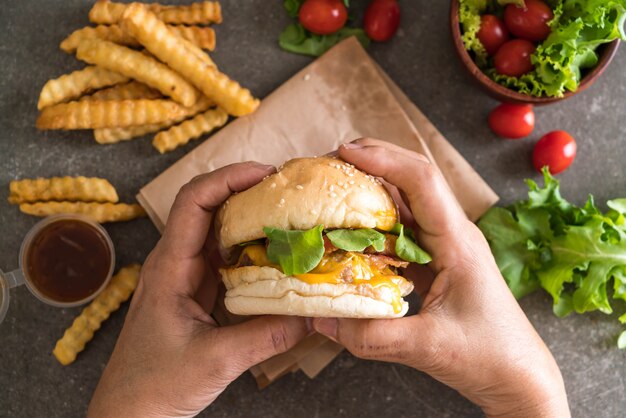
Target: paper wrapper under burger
[(342, 96)]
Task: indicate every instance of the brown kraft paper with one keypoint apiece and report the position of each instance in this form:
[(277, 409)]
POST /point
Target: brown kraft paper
[(342, 96)]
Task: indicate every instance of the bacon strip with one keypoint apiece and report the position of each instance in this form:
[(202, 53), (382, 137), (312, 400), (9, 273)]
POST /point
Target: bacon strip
[(381, 260)]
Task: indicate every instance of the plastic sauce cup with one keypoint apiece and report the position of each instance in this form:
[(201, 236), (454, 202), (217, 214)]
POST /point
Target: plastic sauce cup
[(42, 238)]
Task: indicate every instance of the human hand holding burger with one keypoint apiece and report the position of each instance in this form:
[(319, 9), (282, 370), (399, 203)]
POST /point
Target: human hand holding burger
[(295, 252), (171, 359), (470, 333)]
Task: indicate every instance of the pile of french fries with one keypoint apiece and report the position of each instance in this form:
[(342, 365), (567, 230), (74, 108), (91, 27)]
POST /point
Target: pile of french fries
[(147, 72), (92, 197)]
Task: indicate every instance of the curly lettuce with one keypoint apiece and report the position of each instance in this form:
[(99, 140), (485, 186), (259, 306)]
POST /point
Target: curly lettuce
[(576, 254), (469, 18), (579, 27)]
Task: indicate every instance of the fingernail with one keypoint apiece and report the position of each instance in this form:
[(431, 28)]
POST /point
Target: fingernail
[(352, 145), (266, 167), (327, 327)]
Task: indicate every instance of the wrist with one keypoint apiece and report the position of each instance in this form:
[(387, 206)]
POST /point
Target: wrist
[(537, 394)]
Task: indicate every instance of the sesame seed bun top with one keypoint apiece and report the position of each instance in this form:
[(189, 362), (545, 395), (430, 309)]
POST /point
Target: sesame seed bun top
[(304, 193)]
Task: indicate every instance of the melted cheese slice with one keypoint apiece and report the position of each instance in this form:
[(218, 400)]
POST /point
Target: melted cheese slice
[(330, 270)]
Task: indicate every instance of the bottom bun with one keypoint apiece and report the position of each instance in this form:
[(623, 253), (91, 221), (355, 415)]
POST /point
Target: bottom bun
[(256, 290)]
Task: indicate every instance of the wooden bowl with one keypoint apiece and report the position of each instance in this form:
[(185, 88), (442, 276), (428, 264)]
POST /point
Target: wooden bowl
[(605, 52)]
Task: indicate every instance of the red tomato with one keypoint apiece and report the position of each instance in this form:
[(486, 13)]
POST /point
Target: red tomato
[(512, 121), (382, 18), (556, 150), (492, 33), (530, 22), (323, 16), (513, 58)]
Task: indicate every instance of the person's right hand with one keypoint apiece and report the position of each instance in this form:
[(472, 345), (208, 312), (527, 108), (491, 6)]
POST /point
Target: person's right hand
[(470, 333)]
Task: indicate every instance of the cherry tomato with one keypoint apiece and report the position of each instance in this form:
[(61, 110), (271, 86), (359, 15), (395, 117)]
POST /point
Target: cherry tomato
[(529, 22), (492, 33), (512, 121), (323, 16), (556, 150), (513, 58), (382, 18)]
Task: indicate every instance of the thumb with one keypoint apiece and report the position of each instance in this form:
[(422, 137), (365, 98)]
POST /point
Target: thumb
[(244, 345), (411, 340)]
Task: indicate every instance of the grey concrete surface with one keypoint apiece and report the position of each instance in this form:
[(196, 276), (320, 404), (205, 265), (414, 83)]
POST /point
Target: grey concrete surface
[(422, 62)]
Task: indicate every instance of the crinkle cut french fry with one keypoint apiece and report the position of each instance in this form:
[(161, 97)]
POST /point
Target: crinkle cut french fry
[(155, 36), (108, 12), (199, 13), (113, 135), (113, 33), (194, 14), (129, 91), (121, 286), (62, 188), (192, 49), (138, 66), (193, 128), (202, 37), (94, 114), (99, 212), (73, 85)]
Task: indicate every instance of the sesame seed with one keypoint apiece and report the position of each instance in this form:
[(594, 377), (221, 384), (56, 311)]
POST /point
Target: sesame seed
[(307, 77), (350, 174), (351, 182), (282, 201), (340, 184), (299, 187), (331, 188), (362, 186), (333, 194), (273, 185)]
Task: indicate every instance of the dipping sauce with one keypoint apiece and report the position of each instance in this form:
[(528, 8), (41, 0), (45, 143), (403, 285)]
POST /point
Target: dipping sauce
[(68, 260)]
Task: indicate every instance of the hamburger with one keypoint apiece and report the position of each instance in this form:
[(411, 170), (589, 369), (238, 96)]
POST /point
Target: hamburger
[(318, 238)]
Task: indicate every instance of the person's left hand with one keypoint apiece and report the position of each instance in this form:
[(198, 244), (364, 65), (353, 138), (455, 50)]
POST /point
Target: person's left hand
[(171, 359)]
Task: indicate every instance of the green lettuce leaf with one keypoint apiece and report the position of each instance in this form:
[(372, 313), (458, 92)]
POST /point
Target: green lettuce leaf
[(621, 340), (255, 242), (297, 252), (469, 18), (571, 252), (357, 239), (407, 248), (300, 41), (519, 3), (513, 253), (292, 7)]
